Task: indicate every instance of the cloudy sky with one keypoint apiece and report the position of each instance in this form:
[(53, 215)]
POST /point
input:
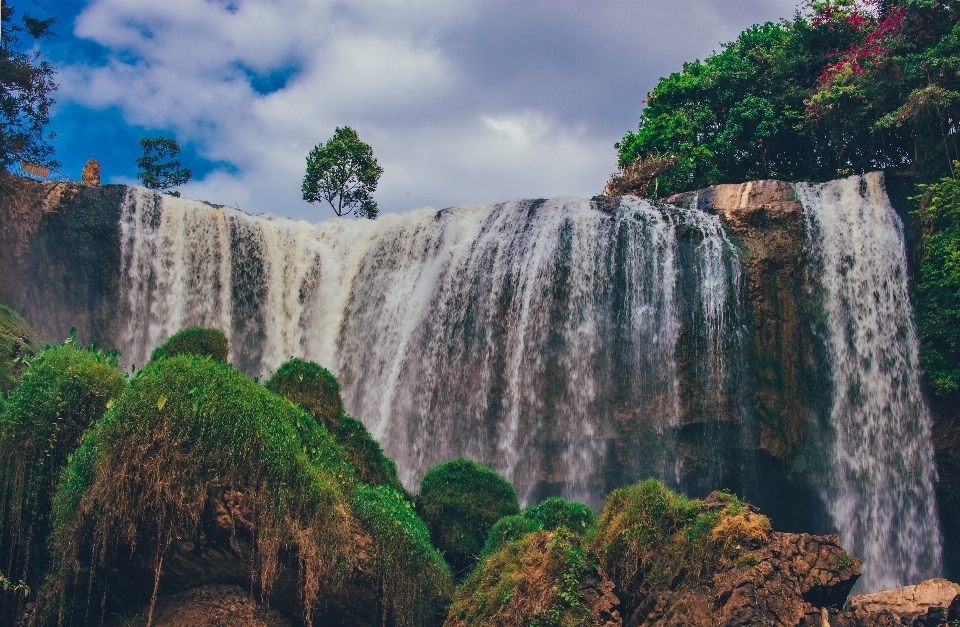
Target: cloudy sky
[(471, 101)]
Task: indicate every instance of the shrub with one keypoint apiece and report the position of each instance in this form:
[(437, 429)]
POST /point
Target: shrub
[(63, 392), (415, 581), (460, 500), (184, 429), (18, 344), (549, 515), (315, 389), (199, 341), (535, 581)]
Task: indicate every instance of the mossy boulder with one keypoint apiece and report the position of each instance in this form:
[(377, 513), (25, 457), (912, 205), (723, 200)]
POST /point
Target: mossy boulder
[(548, 515), (18, 344), (199, 341), (460, 500), (65, 390), (547, 578), (185, 431), (314, 388)]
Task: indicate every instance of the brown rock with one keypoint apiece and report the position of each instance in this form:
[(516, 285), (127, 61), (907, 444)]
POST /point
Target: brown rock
[(909, 599), (210, 606), (91, 173)]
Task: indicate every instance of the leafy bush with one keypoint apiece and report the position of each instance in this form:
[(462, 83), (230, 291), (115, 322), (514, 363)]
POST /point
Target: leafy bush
[(939, 286), (185, 429), (460, 500), (415, 580), (64, 391), (315, 389), (549, 515), (18, 344), (535, 581), (199, 341)]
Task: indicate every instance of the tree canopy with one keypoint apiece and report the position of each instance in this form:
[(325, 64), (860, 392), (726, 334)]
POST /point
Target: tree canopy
[(159, 168), (26, 88), (344, 173)]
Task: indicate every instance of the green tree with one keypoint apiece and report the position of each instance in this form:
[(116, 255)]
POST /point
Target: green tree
[(159, 167), (343, 172), (26, 85)]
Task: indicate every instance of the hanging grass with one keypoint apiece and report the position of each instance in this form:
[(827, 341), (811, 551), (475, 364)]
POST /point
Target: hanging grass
[(199, 341), (315, 389), (415, 582), (18, 345), (460, 500), (531, 582), (548, 515), (65, 390), (187, 429)]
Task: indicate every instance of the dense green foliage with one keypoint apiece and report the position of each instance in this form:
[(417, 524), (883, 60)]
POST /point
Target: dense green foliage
[(548, 515), (315, 389), (460, 501), (416, 581), (344, 173), (65, 390), (840, 89), (199, 341), (535, 581), (26, 88), (649, 536), (159, 167), (185, 429), (939, 287), (18, 344)]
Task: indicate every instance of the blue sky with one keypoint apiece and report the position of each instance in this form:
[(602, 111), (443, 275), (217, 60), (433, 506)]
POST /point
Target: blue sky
[(472, 101)]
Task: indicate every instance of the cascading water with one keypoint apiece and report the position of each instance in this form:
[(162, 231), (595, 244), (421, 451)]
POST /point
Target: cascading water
[(523, 335), (880, 472)]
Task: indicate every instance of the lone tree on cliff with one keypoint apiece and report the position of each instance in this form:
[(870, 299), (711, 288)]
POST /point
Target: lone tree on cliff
[(159, 167), (26, 85), (343, 172)]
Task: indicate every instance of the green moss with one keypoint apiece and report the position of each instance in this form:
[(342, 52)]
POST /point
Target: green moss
[(64, 391), (18, 344), (315, 389), (534, 581), (185, 429), (460, 501), (416, 581), (199, 341), (549, 515)]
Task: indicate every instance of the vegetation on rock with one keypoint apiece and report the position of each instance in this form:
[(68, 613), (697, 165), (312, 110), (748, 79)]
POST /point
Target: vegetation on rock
[(549, 515), (199, 341), (460, 500), (316, 390), (18, 345), (65, 390)]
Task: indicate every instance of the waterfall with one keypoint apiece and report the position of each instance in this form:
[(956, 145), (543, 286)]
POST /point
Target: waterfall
[(879, 465), (529, 335)]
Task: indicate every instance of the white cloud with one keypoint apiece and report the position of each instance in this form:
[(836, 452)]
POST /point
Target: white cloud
[(466, 101)]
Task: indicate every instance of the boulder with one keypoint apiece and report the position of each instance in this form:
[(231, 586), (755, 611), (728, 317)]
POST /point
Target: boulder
[(908, 599)]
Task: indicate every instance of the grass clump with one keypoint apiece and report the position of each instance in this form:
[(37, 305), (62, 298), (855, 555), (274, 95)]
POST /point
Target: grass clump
[(18, 344), (185, 430), (549, 515), (534, 581), (316, 389), (65, 390), (649, 536), (199, 341), (414, 581), (460, 500)]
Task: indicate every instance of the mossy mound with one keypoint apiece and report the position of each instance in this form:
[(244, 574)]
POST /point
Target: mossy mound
[(649, 536), (460, 500), (198, 341), (315, 389), (416, 581), (533, 581), (64, 391), (187, 429), (549, 515), (18, 344)]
